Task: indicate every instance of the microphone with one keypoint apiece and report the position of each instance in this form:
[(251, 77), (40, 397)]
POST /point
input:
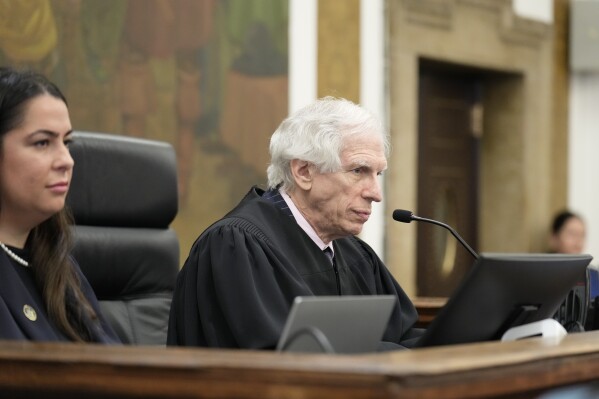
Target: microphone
[(404, 216)]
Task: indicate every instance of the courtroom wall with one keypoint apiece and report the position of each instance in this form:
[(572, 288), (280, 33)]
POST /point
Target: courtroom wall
[(515, 55), (208, 76)]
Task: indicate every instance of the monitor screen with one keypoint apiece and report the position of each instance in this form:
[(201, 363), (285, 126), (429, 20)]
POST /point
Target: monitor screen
[(503, 291)]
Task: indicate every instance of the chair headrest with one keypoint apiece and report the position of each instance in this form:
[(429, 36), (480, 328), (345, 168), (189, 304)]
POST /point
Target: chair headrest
[(122, 181)]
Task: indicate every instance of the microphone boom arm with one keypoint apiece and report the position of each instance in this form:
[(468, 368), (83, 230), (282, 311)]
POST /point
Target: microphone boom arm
[(451, 230)]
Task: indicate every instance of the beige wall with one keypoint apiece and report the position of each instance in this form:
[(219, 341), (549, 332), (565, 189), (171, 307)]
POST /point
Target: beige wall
[(339, 49)]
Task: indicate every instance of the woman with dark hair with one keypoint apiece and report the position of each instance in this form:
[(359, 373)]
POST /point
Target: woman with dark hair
[(43, 294), (568, 233)]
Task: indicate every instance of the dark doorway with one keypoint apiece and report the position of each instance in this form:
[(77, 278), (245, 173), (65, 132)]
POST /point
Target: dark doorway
[(450, 125)]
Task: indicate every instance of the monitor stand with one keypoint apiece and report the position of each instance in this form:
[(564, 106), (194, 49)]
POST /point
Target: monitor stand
[(547, 328), (519, 316)]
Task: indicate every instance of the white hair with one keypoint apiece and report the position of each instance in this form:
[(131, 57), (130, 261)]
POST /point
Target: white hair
[(316, 134)]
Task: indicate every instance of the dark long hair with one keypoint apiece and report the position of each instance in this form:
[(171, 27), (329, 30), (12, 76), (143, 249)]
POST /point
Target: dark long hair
[(50, 242)]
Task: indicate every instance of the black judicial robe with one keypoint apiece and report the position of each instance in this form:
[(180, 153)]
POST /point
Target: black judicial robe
[(18, 292), (237, 285)]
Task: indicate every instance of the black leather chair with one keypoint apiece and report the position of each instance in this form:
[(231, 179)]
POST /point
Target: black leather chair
[(123, 197), (592, 319), (577, 313)]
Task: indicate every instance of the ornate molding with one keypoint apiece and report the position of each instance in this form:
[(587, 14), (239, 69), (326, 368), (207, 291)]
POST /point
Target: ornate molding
[(489, 4), (511, 28), (523, 31), (432, 13)]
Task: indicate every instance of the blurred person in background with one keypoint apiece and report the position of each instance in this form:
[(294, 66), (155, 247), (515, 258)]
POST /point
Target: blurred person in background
[(568, 233)]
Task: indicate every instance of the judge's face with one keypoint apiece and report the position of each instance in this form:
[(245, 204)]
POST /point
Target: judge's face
[(35, 164), (338, 204), (570, 239)]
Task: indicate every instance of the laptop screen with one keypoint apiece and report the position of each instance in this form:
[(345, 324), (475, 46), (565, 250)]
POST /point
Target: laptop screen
[(338, 324)]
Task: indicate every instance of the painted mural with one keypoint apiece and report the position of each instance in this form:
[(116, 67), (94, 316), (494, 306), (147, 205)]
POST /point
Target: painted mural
[(208, 76)]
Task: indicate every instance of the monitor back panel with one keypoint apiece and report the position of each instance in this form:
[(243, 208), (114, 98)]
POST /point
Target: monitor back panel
[(502, 291), (350, 324)]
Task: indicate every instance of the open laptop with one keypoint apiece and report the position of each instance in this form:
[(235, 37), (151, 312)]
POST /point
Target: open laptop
[(336, 324)]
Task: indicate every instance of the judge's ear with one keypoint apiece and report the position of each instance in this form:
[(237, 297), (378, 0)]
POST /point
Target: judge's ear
[(302, 173)]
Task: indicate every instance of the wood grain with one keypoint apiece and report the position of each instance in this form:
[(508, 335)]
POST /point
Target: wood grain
[(495, 370)]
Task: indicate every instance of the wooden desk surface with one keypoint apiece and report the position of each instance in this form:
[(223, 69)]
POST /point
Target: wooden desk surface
[(428, 308), (499, 370)]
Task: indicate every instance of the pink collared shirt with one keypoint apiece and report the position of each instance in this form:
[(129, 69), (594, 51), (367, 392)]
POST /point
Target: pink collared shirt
[(303, 223)]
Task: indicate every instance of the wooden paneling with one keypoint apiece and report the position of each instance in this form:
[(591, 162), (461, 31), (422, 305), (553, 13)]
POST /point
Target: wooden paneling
[(428, 308), (492, 370)]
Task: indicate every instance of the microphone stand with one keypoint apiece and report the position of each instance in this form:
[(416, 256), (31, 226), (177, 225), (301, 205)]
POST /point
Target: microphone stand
[(451, 230)]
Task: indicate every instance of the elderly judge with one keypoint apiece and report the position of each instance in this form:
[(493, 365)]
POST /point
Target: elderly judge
[(296, 238)]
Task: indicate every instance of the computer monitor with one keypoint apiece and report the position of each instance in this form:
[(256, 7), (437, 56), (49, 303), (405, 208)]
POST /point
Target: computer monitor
[(503, 291)]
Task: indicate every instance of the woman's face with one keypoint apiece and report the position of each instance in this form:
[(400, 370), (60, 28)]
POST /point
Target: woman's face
[(35, 164), (570, 239)]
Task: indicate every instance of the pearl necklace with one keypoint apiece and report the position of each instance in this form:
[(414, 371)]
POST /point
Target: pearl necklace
[(14, 256)]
